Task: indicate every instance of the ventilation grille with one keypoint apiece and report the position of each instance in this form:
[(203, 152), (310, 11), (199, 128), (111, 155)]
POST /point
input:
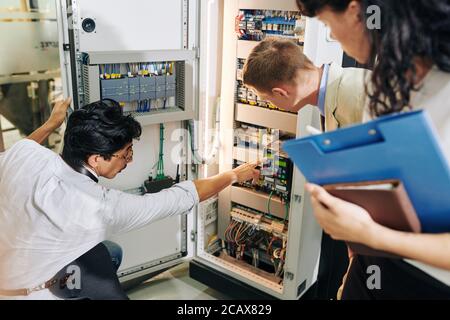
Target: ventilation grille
[(181, 84), (85, 83)]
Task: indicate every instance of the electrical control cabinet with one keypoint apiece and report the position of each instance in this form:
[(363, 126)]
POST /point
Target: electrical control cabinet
[(265, 235), (141, 83), (186, 90), (110, 49)]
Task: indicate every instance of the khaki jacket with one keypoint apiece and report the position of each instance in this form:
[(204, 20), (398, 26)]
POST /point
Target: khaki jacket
[(346, 97), (345, 103)]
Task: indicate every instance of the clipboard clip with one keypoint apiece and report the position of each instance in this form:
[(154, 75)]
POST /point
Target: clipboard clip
[(339, 141)]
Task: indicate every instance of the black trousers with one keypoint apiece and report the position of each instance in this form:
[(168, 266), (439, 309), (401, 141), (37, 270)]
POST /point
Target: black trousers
[(399, 281), (98, 278), (332, 268)]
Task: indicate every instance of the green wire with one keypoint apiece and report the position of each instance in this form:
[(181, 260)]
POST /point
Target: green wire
[(286, 206), (160, 175)]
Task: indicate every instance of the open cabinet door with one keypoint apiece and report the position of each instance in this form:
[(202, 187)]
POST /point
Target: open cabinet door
[(142, 54), (267, 243)]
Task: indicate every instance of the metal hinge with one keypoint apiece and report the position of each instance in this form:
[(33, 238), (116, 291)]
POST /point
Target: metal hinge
[(193, 236), (197, 52)]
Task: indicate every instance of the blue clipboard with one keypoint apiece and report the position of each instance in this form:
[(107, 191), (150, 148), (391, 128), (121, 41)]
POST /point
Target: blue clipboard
[(402, 146)]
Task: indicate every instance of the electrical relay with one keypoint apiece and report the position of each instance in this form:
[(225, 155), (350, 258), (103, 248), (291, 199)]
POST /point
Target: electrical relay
[(276, 170), (255, 25), (139, 87)]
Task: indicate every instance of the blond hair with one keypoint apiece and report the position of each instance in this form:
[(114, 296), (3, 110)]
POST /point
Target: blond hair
[(274, 62)]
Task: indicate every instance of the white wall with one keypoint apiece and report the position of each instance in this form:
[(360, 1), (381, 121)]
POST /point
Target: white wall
[(211, 41), (9, 4)]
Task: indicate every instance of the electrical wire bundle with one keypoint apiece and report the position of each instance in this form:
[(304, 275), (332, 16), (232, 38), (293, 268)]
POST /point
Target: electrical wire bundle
[(114, 71), (278, 256), (142, 70), (111, 71), (284, 200), (236, 234), (143, 105), (241, 237), (160, 175)]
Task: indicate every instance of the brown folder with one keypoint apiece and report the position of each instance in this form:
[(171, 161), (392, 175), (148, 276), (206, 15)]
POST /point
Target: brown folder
[(388, 204)]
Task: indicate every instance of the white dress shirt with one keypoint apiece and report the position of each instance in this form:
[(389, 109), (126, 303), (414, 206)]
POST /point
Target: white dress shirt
[(51, 215), (433, 97), (91, 171)]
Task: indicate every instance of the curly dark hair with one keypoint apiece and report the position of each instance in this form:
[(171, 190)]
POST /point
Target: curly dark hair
[(311, 8), (98, 128), (411, 31)]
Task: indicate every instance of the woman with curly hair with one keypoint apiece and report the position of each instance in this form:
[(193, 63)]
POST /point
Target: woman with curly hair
[(409, 48)]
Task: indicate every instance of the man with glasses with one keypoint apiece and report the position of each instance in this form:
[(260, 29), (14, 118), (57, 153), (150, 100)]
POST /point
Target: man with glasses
[(54, 212)]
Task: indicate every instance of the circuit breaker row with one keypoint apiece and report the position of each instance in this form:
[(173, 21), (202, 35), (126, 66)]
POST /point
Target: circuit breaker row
[(139, 88), (255, 25), (276, 170)]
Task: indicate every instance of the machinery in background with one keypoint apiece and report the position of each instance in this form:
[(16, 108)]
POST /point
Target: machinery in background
[(258, 240), (265, 235), (256, 25), (276, 167), (161, 181), (155, 87), (247, 236), (110, 50), (140, 87)]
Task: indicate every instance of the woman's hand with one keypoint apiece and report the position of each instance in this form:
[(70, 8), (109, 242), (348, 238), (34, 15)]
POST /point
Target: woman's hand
[(58, 114), (340, 219), (348, 222), (246, 172)]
